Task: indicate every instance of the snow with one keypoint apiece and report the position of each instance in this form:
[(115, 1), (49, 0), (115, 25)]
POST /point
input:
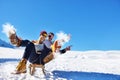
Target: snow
[(73, 65)]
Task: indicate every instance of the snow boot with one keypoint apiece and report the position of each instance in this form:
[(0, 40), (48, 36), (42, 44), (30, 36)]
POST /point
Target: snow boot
[(21, 67), (14, 39)]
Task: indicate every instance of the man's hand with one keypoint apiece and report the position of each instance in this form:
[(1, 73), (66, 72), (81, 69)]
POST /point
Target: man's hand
[(68, 48)]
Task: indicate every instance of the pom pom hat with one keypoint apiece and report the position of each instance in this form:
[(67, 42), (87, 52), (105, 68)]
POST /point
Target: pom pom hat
[(43, 33)]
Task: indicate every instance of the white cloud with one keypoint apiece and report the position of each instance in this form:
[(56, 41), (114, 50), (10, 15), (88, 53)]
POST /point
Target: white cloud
[(63, 36)]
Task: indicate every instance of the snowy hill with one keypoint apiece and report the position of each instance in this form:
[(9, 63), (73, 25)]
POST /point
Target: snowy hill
[(5, 44), (74, 65)]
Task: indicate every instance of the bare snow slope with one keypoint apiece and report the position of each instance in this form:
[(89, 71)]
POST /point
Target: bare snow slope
[(80, 61)]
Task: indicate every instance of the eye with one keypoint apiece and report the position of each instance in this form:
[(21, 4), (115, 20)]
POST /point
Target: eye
[(49, 36)]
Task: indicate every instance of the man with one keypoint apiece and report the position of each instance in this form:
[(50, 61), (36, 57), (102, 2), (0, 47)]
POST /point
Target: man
[(48, 42), (56, 44), (52, 45)]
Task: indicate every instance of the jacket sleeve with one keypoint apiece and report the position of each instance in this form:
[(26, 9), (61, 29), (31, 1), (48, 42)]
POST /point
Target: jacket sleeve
[(62, 51), (55, 46)]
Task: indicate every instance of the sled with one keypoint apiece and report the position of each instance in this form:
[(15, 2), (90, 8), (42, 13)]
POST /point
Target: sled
[(33, 66)]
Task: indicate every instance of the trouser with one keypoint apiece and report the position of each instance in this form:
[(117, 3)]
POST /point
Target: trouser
[(30, 52)]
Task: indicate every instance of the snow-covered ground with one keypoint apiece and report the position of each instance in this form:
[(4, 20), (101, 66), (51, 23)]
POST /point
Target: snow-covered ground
[(74, 65)]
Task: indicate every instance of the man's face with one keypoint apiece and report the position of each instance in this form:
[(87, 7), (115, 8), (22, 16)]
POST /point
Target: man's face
[(50, 36)]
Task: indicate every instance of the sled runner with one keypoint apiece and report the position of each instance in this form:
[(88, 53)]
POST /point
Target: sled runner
[(33, 66)]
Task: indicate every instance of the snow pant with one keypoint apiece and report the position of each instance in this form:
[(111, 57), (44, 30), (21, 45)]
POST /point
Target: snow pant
[(30, 52)]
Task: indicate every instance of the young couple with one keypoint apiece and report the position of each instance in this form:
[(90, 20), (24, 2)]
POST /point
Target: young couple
[(36, 51)]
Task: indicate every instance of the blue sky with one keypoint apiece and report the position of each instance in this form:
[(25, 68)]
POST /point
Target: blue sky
[(93, 24)]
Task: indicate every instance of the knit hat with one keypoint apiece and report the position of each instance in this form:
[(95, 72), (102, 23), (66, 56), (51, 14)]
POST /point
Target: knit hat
[(43, 33), (51, 33)]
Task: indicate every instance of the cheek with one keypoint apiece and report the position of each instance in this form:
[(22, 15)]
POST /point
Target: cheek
[(43, 38), (52, 37)]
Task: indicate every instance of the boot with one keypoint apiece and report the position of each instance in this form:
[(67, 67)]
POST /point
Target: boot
[(21, 67), (14, 39)]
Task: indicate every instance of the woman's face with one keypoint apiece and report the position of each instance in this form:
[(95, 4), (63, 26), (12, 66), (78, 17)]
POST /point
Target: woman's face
[(42, 37)]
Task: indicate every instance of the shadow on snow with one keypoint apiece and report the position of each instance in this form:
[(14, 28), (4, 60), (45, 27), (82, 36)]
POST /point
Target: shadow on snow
[(74, 75), (3, 60)]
